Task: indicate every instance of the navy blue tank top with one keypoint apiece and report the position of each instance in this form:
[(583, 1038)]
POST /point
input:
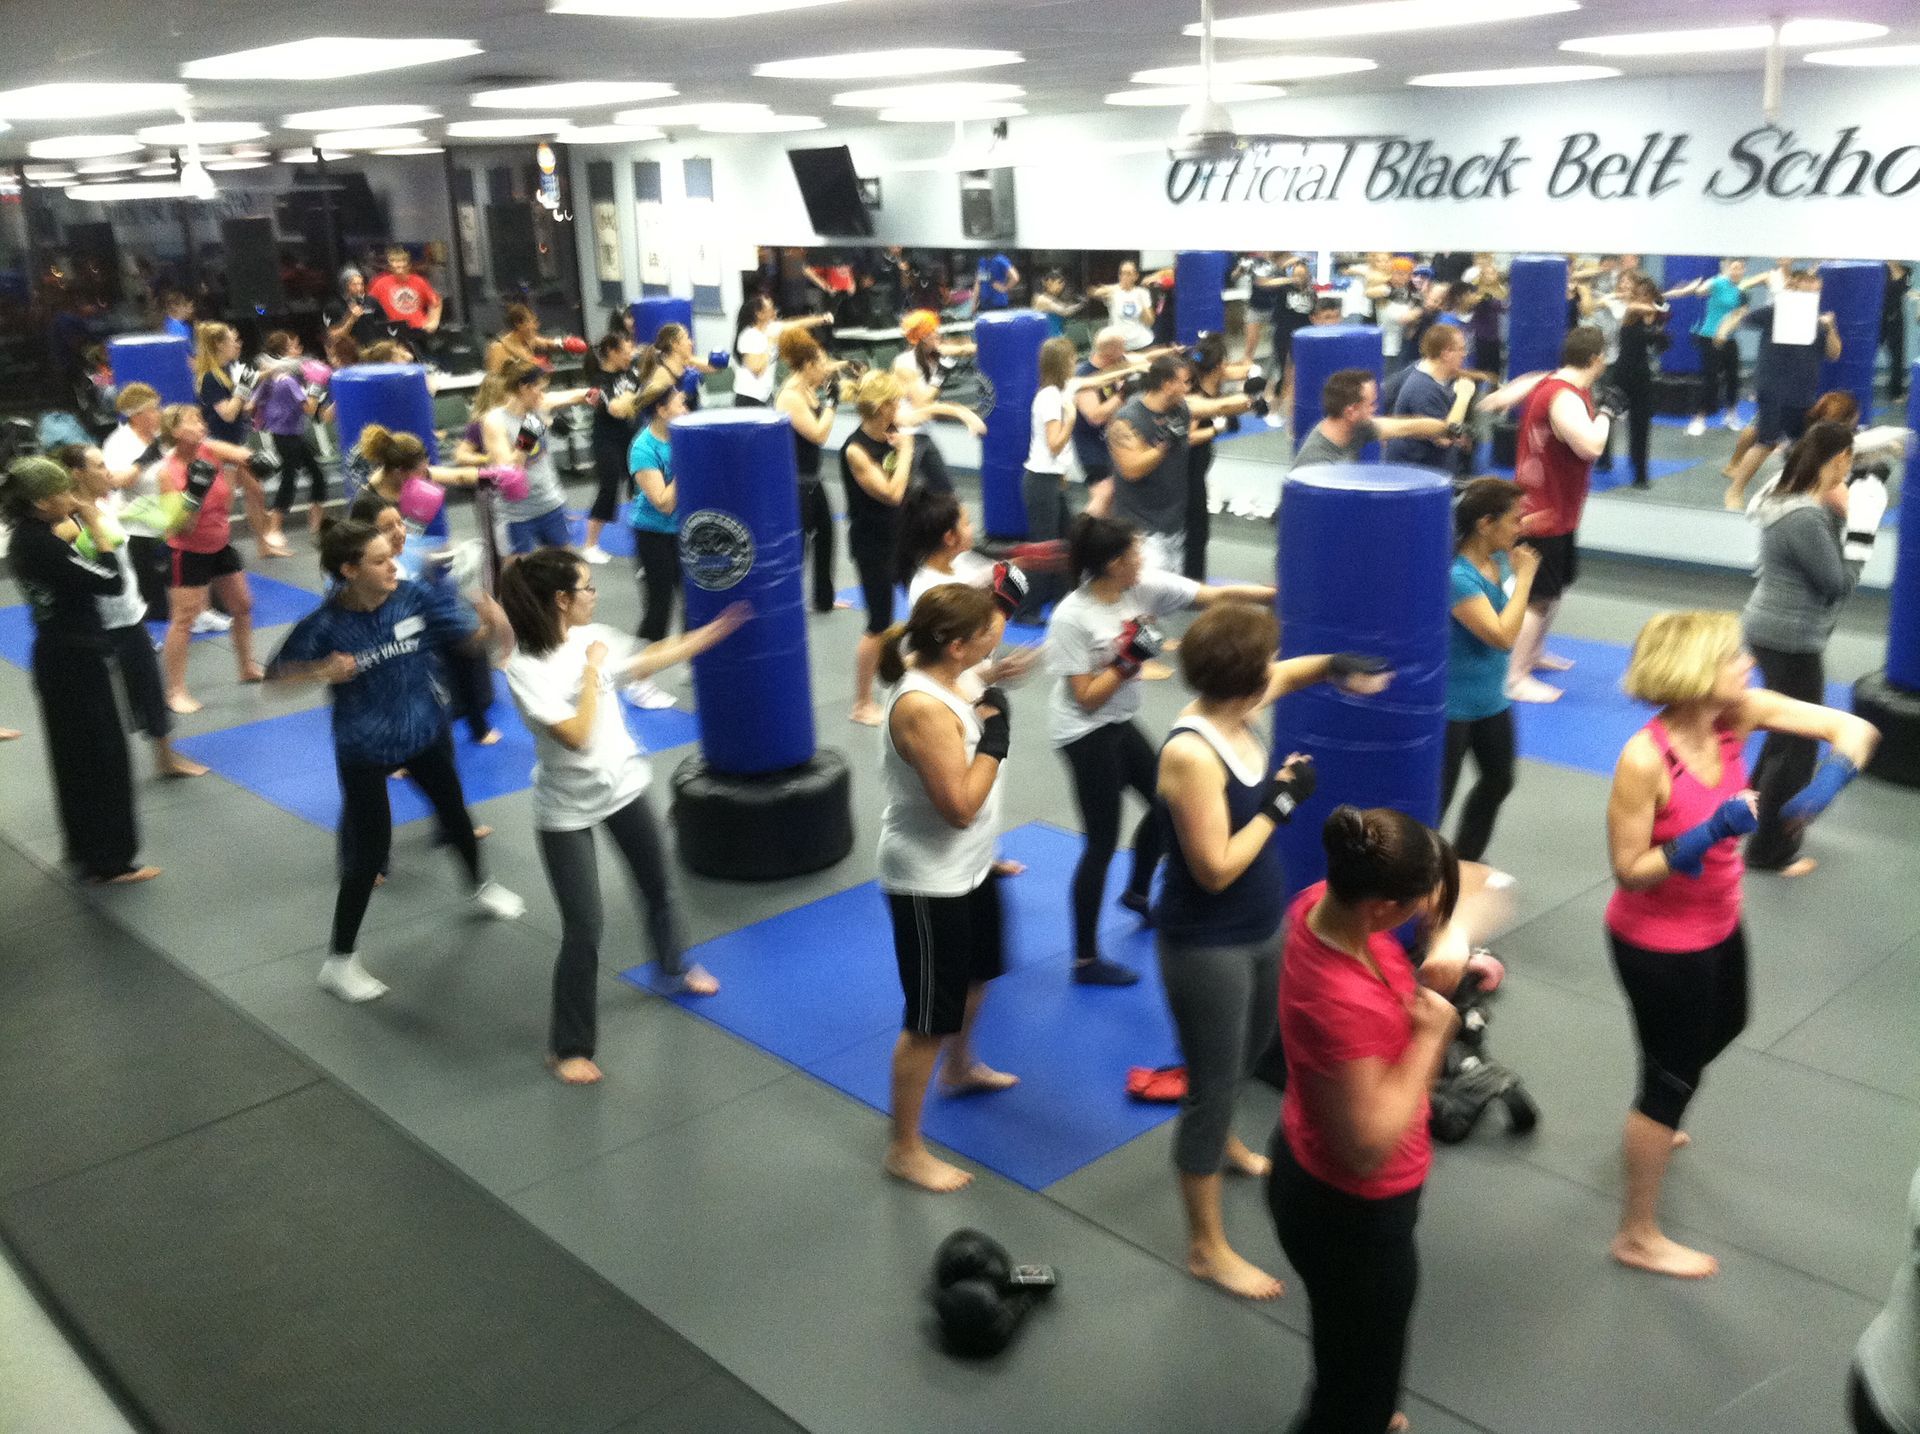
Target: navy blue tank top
[(1249, 910)]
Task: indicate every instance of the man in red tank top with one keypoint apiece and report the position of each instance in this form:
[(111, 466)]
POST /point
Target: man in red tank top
[(1561, 433)]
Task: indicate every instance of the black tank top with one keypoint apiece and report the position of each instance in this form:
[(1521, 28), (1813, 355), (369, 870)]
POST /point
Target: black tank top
[(1250, 909), (806, 453), (867, 516)]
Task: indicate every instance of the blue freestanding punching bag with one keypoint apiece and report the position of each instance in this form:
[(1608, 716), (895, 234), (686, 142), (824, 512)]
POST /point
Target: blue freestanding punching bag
[(393, 395), (1536, 313), (1681, 356), (759, 802), (1199, 307), (652, 315), (1318, 354), (1008, 358), (164, 362), (1851, 290), (1891, 699), (1364, 554)]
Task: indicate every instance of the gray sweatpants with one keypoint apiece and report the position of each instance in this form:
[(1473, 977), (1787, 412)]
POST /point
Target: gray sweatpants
[(1225, 1003)]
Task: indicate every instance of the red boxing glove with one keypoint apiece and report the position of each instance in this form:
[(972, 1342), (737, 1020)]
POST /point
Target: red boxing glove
[(595, 397), (1009, 588), (1137, 644), (572, 344)]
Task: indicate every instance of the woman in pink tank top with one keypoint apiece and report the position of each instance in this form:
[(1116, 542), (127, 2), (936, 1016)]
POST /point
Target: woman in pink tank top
[(1679, 802)]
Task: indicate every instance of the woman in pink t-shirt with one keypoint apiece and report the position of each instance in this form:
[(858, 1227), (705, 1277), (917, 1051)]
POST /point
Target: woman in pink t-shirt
[(1680, 800), (1363, 1033)]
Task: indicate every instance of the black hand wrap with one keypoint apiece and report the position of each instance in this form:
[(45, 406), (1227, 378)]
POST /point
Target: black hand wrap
[(1355, 664), (996, 728), (1284, 793)]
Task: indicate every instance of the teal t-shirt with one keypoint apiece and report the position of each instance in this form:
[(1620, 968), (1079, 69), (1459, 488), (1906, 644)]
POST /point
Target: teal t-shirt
[(1476, 671), (649, 451), (1723, 297)]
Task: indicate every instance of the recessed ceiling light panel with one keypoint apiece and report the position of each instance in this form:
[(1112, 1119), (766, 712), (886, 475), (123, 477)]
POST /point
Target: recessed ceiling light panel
[(327, 57), (573, 95), (889, 96), (763, 124), (1518, 75), (202, 132), (1726, 39), (1180, 96), (84, 146), (879, 64), (541, 128), (1872, 57), (360, 117), (368, 138), (1258, 71), (88, 101), (692, 113), (108, 166), (1381, 17)]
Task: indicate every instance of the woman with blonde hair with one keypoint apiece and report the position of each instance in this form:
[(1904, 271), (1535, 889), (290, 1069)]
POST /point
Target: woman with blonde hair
[(671, 356), (809, 400), (205, 562), (521, 341), (876, 465), (1043, 487), (1680, 797), (225, 388)]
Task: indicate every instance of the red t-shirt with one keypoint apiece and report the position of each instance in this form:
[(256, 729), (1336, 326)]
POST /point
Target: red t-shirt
[(212, 524), (1334, 1010), (1553, 479), (406, 298)]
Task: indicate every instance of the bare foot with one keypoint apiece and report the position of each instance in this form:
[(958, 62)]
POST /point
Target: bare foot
[(397, 774), (9, 734), (1532, 689), (921, 1167), (1681, 1140), (379, 880), (1732, 502), (980, 1079), (1235, 1275), (1799, 868), (493, 735), (1548, 662), (698, 981), (575, 1070), (481, 833), (841, 605), (1005, 867), (179, 766), (1242, 1161), (253, 672), (1399, 1424), (128, 878), (867, 714), (1664, 1257), (182, 705)]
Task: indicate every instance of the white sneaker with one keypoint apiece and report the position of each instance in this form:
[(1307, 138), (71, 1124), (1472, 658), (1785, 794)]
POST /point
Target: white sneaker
[(499, 903), (595, 554), (211, 621), (346, 978), (1732, 421), (648, 695), (1697, 428)]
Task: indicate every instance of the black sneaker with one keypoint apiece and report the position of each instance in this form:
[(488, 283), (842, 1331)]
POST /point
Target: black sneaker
[(1139, 905), (1102, 972)]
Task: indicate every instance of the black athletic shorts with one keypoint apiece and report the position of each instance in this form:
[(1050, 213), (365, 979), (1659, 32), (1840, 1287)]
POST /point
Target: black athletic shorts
[(197, 570), (945, 945), (1559, 565), (1779, 421)]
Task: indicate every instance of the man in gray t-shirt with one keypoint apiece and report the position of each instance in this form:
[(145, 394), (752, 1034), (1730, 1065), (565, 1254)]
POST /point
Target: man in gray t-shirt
[(1349, 401), (1149, 439)]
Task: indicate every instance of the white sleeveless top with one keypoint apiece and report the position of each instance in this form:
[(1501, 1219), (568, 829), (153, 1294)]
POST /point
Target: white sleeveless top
[(920, 854)]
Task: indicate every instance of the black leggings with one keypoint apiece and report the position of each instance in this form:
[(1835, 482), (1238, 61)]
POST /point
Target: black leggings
[(1719, 374), (1687, 1008), (297, 456), (140, 679), (1639, 416), (873, 560), (87, 750), (1490, 739), (366, 827), (1361, 1268), (1786, 762), (573, 870), (610, 467), (1105, 763), (1048, 517), (658, 557), (152, 563), (816, 530), (1861, 1410), (469, 680), (930, 464), (1199, 518)]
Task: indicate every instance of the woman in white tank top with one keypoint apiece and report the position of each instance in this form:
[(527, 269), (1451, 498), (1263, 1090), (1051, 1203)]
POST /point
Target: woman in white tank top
[(940, 760)]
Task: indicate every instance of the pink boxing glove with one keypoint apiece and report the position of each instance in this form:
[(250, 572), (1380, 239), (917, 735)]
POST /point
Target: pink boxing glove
[(1488, 967), (421, 501), (510, 483), (572, 344), (315, 373)]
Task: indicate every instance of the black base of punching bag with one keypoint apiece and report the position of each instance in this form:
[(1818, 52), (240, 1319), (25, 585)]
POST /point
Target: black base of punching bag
[(763, 828), (1506, 444), (1896, 712), (1676, 395)]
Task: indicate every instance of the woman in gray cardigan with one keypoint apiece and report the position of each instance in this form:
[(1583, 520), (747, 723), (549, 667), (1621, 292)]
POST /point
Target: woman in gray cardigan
[(1804, 575)]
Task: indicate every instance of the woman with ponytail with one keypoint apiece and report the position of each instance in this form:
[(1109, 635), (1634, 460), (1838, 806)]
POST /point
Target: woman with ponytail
[(809, 399), (588, 773), (225, 390)]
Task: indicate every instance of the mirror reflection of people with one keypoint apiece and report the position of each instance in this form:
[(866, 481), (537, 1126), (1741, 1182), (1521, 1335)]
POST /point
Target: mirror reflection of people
[(405, 297)]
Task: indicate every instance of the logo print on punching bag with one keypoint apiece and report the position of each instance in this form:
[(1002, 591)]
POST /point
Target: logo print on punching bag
[(716, 549)]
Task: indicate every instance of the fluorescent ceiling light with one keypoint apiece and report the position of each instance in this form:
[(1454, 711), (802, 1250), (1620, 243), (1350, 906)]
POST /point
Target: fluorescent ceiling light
[(693, 113), (223, 166), (612, 134), (891, 95), (413, 149), (573, 95), (305, 156), (1382, 17), (108, 166), (202, 132), (86, 101), (875, 64), (83, 146), (1519, 75), (369, 138), (360, 117), (327, 57), (1183, 95), (1272, 67), (540, 128), (964, 110), (131, 189), (678, 9), (762, 124), (49, 171), (1873, 57), (1726, 38)]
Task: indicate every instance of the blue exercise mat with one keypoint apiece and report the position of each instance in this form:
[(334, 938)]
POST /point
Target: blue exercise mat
[(288, 760), (616, 538), (274, 605), (819, 988)]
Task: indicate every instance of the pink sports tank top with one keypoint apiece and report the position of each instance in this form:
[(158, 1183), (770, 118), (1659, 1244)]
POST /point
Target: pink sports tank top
[(1687, 913)]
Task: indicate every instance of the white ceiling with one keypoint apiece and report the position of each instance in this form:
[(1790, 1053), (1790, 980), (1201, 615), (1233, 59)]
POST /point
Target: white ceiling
[(1077, 50)]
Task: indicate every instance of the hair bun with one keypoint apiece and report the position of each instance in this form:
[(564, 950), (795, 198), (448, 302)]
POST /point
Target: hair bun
[(1346, 832)]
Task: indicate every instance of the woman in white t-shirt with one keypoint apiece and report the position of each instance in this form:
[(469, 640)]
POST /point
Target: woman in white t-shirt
[(588, 772), (757, 333), (1043, 487), (1100, 637), (1129, 306)]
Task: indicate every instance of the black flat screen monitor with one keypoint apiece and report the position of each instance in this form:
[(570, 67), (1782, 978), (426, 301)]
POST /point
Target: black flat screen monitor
[(832, 192)]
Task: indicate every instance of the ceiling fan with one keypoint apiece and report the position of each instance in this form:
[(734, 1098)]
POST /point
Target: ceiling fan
[(1206, 131)]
